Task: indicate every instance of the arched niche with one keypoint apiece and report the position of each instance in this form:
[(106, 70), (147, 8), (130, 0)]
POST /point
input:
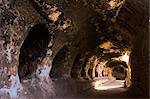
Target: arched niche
[(58, 64), (33, 50)]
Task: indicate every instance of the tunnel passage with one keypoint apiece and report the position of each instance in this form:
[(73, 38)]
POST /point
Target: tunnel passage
[(113, 44), (133, 16), (119, 69), (33, 50), (59, 63)]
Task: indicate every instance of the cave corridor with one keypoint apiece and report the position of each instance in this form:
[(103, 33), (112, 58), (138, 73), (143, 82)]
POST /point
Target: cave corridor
[(74, 49)]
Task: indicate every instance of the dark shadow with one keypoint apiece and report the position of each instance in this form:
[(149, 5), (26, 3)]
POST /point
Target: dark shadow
[(119, 69), (33, 50), (58, 63), (77, 66)]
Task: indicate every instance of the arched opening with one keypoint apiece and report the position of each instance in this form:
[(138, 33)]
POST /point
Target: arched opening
[(134, 16), (33, 50), (59, 63), (119, 69), (77, 67), (110, 60)]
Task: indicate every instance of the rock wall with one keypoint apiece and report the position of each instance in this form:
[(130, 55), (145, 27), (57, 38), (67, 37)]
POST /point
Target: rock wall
[(19, 16), (137, 14)]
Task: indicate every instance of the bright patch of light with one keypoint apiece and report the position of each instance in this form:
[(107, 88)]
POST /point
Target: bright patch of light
[(43, 72), (125, 58), (106, 45), (113, 4), (108, 87), (105, 84), (14, 88), (98, 84)]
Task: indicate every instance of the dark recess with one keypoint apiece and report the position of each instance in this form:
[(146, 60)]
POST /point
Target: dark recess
[(33, 50), (58, 63)]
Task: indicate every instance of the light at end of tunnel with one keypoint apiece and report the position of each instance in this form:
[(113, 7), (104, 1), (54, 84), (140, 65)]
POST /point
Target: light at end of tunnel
[(125, 58)]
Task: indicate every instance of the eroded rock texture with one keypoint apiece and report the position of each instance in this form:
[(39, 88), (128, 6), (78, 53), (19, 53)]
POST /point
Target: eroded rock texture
[(44, 44)]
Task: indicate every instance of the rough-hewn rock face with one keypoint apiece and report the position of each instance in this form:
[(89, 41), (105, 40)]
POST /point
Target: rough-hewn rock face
[(137, 15), (16, 20), (69, 24)]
